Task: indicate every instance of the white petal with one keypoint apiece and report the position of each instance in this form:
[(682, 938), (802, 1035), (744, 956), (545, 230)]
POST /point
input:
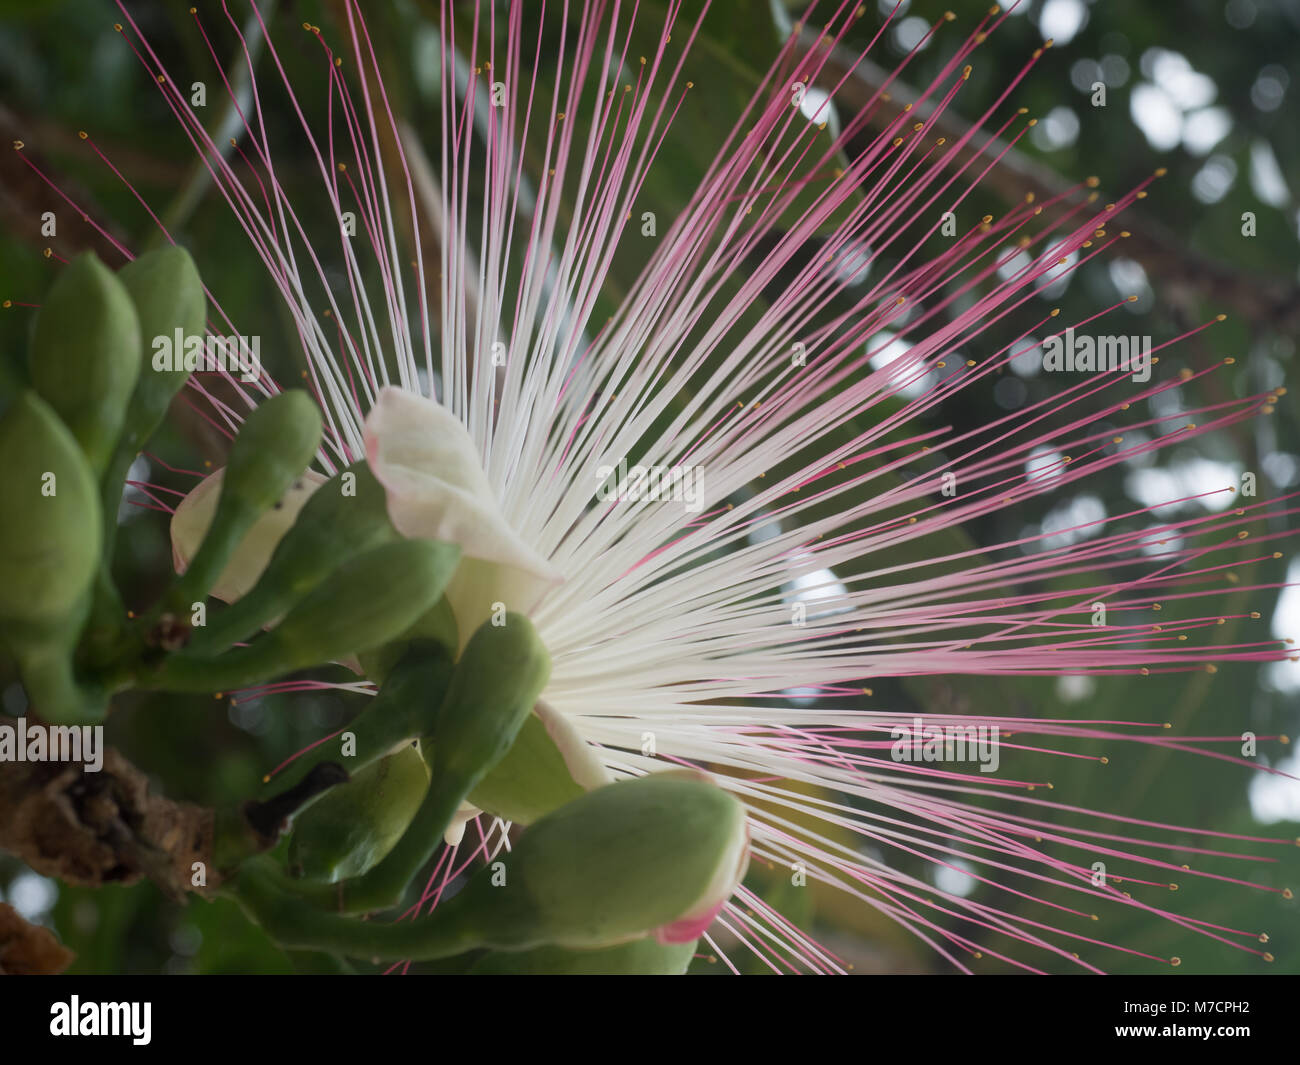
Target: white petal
[(426, 461), (582, 759), (456, 827)]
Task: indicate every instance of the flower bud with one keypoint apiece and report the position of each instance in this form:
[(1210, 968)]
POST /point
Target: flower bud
[(497, 680), (354, 825), (50, 538), (272, 450), (650, 855), (167, 293), (341, 519), (368, 601), (85, 355)]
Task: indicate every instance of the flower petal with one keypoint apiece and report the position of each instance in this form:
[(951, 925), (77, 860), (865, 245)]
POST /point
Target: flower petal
[(437, 490), (584, 764)]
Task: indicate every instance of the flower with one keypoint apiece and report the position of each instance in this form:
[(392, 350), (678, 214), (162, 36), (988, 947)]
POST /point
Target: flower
[(743, 635)]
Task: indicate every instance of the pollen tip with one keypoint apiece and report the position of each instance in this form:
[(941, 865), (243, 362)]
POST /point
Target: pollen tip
[(1161, 172), (1032, 122), (1105, 760), (1055, 312), (965, 74), (1094, 917), (1263, 937), (1287, 893), (117, 26), (266, 778), (1175, 961), (1145, 672), (1267, 956), (1173, 887)]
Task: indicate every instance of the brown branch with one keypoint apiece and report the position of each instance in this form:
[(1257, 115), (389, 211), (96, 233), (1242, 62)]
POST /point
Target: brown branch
[(92, 829), (28, 949)]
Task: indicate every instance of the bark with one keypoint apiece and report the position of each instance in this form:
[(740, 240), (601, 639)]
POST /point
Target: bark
[(92, 829)]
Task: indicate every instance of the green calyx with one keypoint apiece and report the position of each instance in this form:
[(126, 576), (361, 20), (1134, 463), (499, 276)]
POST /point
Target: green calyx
[(354, 825)]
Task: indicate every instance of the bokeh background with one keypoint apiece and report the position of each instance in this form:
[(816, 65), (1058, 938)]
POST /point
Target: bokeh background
[(1206, 88)]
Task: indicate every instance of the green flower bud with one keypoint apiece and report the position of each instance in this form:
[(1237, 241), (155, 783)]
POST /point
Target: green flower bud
[(368, 601), (168, 297), (271, 451), (659, 854), (354, 825), (343, 518), (497, 680), (641, 957), (50, 538), (85, 355), (493, 688), (167, 292)]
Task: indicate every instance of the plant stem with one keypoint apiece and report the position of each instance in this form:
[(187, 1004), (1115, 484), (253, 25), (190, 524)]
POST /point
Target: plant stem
[(263, 892)]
